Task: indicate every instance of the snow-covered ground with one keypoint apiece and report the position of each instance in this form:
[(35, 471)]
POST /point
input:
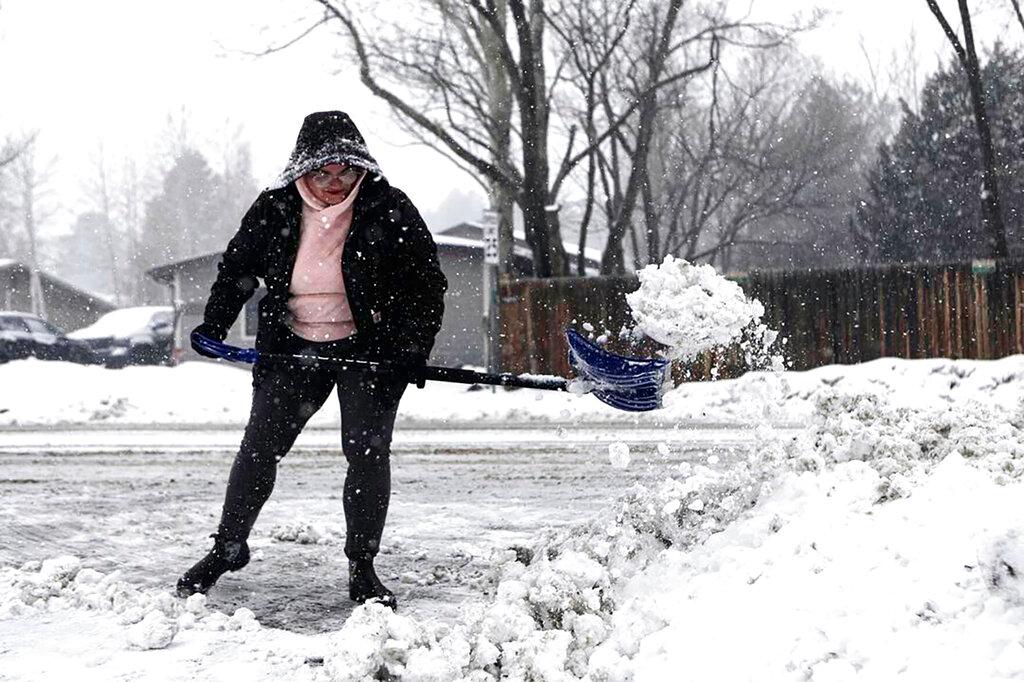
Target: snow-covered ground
[(879, 535), (36, 393)]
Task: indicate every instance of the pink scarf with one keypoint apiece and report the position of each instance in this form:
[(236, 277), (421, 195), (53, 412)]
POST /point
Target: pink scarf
[(319, 304)]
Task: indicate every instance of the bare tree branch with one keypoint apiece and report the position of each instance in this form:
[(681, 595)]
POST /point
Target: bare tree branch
[(1017, 11), (288, 43), (482, 166)]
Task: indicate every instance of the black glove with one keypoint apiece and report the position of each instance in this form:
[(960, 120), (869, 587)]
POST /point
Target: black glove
[(209, 331), (411, 367)]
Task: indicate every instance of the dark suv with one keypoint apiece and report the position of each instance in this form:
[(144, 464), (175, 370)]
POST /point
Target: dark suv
[(23, 335), (142, 335)]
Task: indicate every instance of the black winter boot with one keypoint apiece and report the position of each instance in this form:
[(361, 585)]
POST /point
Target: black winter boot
[(226, 555), (364, 585)]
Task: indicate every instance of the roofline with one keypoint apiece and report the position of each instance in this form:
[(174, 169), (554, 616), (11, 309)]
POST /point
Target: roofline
[(590, 254), (55, 280), (162, 273)]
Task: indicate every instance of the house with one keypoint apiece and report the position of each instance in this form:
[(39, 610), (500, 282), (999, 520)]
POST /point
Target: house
[(459, 250), (67, 306)]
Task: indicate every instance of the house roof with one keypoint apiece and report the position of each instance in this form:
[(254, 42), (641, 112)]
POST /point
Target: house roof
[(53, 280), (165, 272), (445, 239), (474, 232)]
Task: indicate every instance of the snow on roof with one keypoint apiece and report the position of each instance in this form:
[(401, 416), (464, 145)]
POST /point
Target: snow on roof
[(166, 271), (468, 243), (121, 323), (104, 299), (522, 247)]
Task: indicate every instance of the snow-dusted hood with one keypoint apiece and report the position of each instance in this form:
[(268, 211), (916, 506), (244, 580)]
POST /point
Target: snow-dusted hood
[(326, 137)]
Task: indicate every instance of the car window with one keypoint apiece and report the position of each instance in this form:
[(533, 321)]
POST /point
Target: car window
[(53, 329), (40, 327), (12, 324)]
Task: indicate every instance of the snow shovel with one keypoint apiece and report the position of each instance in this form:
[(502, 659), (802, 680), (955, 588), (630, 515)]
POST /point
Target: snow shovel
[(631, 384)]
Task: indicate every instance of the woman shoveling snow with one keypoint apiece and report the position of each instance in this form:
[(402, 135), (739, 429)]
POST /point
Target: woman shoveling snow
[(351, 271)]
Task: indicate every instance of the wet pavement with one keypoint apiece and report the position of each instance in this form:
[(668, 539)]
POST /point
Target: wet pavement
[(144, 502)]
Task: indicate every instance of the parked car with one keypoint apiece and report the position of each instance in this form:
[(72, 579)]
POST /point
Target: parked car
[(23, 335), (142, 335)]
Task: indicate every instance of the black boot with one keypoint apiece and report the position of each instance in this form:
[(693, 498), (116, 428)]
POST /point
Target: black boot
[(226, 555), (364, 585)]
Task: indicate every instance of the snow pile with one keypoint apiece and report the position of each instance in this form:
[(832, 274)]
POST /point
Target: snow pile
[(154, 631), (902, 443), (792, 397), (881, 543), (824, 582), (151, 618), (691, 308), (878, 525), (618, 455)]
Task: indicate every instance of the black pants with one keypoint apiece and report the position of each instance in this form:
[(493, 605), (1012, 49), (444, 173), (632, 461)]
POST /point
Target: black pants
[(284, 397)]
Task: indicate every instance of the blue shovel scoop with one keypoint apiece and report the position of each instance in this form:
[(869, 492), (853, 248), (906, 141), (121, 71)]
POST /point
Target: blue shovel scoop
[(631, 384)]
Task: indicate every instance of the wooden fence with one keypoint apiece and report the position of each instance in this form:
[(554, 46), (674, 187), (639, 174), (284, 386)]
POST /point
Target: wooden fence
[(850, 315)]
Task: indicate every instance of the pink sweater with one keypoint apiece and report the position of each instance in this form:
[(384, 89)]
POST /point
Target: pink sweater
[(318, 303)]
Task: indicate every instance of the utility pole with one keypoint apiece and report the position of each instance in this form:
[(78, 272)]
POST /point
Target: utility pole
[(492, 344)]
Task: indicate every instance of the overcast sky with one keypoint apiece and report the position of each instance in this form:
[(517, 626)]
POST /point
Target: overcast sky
[(110, 71)]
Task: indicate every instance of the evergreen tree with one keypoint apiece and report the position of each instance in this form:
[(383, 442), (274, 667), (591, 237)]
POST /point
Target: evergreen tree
[(924, 194), (187, 217)]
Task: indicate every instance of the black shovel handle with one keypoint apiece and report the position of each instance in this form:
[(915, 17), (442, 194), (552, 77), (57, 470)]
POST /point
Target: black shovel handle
[(417, 375)]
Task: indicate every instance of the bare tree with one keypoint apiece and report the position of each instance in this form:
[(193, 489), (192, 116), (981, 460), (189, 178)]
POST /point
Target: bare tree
[(1017, 11), (129, 207), (992, 215), (593, 33), (31, 186), (466, 59), (12, 148), (478, 80), (763, 160), (12, 244), (627, 170), (656, 62), (97, 186)]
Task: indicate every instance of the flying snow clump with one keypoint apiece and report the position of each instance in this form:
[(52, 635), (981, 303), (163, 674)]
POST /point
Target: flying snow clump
[(690, 308)]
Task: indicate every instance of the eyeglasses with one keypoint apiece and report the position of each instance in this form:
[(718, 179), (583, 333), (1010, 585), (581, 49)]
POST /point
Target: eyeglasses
[(348, 176)]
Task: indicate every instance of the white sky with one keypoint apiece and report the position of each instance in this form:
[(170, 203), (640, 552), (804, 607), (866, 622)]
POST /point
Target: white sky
[(112, 70)]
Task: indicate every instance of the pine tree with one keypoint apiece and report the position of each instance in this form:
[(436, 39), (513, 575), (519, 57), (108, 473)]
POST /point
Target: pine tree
[(924, 193), (186, 218)]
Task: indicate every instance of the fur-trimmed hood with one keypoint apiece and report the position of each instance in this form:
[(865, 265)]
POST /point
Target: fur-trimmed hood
[(326, 137)]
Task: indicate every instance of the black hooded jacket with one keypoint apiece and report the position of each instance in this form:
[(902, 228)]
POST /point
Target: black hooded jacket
[(393, 281)]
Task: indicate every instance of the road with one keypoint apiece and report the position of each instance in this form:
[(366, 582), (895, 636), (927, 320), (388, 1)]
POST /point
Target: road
[(144, 502)]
